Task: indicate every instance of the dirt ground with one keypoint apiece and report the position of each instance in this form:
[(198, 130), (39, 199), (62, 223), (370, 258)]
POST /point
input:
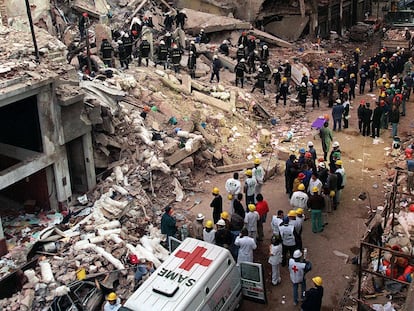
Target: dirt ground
[(364, 165)]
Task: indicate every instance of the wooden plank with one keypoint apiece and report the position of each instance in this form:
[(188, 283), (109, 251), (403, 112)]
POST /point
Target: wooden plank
[(182, 154), (234, 167)]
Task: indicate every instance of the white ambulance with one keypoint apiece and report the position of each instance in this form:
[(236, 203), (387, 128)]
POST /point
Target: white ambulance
[(196, 276)]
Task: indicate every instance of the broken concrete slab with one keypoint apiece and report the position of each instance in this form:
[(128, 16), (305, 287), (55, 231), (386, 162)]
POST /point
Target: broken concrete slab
[(182, 154), (266, 37), (211, 101), (186, 163), (234, 167), (289, 28), (212, 23)]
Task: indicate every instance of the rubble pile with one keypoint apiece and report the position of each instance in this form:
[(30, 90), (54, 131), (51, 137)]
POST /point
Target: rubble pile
[(397, 34)]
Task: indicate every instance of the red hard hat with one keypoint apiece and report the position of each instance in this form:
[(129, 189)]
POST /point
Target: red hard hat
[(308, 155), (134, 32), (85, 14), (301, 176), (133, 259)]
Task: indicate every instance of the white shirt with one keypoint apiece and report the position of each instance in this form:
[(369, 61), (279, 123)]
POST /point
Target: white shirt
[(114, 307), (275, 257), (250, 184), (246, 247), (342, 172), (286, 233), (276, 221), (233, 186), (299, 199), (209, 237), (296, 270), (315, 183), (258, 174), (250, 220)]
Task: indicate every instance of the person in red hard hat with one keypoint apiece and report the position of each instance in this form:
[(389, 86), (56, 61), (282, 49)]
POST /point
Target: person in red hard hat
[(83, 20)]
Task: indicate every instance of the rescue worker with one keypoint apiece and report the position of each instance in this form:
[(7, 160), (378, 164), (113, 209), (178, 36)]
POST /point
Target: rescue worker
[(226, 217), (238, 206), (123, 57), (250, 220), (360, 114), (264, 53), (168, 21), (313, 297), (127, 40), (209, 233), (276, 78), (168, 223), (362, 80), (144, 51), (223, 236), (246, 246), (251, 60), (180, 19), (216, 66), (202, 37), (299, 198), (366, 120), (352, 84), (314, 182), (346, 114), (107, 52), (330, 71), (83, 21), (316, 204), (326, 137), (193, 48), (249, 187), (287, 73), (162, 55), (240, 54), (330, 91), (297, 271), (236, 225), (262, 209), (312, 150), (371, 77), (143, 271), (135, 27), (240, 70), (113, 302), (233, 188), (216, 204), (290, 173), (242, 39), (266, 71), (192, 64), (275, 258), (340, 172), (147, 21), (251, 45), (258, 174), (356, 55), (277, 220), (337, 112), (316, 93), (376, 120), (224, 48), (394, 119), (175, 56), (283, 92), (197, 228), (260, 83), (288, 236), (303, 94)]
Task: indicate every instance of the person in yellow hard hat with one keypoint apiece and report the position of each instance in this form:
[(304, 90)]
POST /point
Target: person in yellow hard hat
[(251, 219), (340, 172), (299, 198), (313, 296), (316, 204), (209, 233), (258, 173), (226, 217), (316, 92), (216, 204), (113, 302), (249, 187)]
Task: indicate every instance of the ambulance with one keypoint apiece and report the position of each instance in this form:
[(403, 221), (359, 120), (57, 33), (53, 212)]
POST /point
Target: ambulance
[(196, 276)]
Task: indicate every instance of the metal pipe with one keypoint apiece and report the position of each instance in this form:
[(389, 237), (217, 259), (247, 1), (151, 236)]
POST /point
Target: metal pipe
[(29, 15)]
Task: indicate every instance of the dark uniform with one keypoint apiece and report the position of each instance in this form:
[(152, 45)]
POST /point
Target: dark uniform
[(162, 55), (260, 83), (175, 56), (216, 69), (127, 40), (123, 57), (240, 70), (144, 50), (106, 51), (191, 64)]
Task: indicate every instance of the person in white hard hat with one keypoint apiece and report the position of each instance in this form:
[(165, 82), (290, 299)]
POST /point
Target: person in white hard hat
[(197, 227), (297, 270)]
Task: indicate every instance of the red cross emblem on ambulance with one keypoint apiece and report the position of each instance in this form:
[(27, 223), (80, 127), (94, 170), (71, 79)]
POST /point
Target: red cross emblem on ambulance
[(194, 257)]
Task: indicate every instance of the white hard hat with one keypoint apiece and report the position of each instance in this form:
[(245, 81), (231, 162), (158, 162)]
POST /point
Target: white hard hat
[(241, 46), (242, 60), (310, 144), (297, 254), (221, 222), (224, 41), (287, 61), (215, 57), (303, 84), (122, 33), (338, 101), (192, 42), (341, 79), (335, 144), (265, 47), (162, 42), (322, 164), (260, 70), (191, 52), (119, 42), (200, 216)]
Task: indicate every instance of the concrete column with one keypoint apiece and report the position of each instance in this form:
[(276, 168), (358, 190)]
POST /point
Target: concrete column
[(89, 160), (62, 176), (3, 244), (341, 11)]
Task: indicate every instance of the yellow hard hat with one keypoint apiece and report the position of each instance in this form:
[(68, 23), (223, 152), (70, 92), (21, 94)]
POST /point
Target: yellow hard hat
[(216, 190), (352, 75), (343, 66), (292, 213), (316, 189), (315, 81), (299, 211), (304, 73), (338, 162), (248, 173), (111, 296), (256, 161), (387, 85), (209, 224), (251, 207), (330, 65), (317, 280), (383, 94), (224, 215), (230, 196), (357, 50), (301, 187), (284, 79), (332, 193)]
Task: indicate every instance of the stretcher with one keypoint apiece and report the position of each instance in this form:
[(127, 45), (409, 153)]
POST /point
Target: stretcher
[(317, 125)]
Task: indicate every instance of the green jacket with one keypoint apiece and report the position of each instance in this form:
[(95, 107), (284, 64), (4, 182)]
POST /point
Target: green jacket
[(168, 225)]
